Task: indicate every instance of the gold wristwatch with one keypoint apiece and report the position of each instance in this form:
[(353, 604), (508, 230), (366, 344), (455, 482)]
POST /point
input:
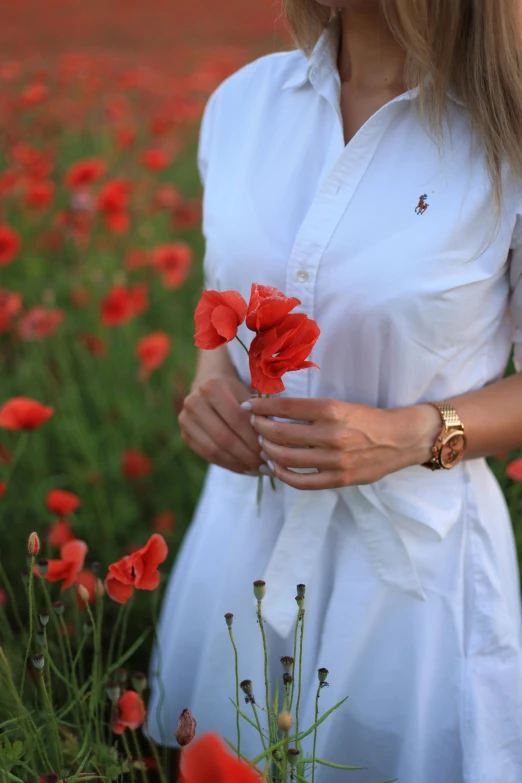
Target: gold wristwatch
[(448, 449)]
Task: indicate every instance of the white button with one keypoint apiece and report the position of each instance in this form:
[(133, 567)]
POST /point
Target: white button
[(302, 276)]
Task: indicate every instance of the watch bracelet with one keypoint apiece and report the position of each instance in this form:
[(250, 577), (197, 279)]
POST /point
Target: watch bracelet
[(450, 418)]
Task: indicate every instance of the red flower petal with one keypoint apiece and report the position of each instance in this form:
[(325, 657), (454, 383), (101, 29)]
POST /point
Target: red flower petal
[(146, 564), (208, 759), (514, 470), (61, 502), (118, 591), (22, 413)]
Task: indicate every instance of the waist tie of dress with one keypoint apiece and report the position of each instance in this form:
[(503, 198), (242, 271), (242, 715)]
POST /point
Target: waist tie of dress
[(426, 503)]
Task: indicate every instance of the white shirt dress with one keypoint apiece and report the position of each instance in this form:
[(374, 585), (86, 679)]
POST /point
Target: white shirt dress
[(413, 600)]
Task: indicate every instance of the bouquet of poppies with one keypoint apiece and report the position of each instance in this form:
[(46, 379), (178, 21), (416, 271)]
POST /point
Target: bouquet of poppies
[(282, 340)]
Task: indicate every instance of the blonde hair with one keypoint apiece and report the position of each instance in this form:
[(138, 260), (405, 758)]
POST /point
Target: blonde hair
[(473, 48)]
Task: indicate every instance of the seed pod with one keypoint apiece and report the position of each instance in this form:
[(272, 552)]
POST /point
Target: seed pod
[(113, 691), (322, 674), (293, 756), (259, 589), (246, 687), (44, 618), (38, 661), (120, 676), (301, 590), (59, 608), (229, 617), (288, 663), (139, 681), (43, 567)]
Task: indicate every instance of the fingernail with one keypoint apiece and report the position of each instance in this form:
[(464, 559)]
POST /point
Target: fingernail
[(264, 456), (251, 473), (246, 406), (252, 419), (265, 470), (260, 440), (271, 465)]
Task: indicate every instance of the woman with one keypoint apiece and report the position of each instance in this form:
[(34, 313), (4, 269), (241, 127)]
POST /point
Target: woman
[(375, 172)]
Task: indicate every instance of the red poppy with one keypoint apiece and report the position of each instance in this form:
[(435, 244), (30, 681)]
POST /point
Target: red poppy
[(9, 245), (123, 304), (10, 306), (187, 215), (172, 262), (22, 413), (60, 533), (94, 344), (155, 159), (137, 570), (114, 196), (514, 470), (87, 580), (135, 464), (136, 259), (85, 173), (267, 307), (34, 94), (39, 194), (217, 317), (152, 351), (130, 712), (167, 197), (164, 522), (117, 222), (70, 564), (125, 137), (62, 502), (39, 323), (208, 759), (3, 487), (281, 349)]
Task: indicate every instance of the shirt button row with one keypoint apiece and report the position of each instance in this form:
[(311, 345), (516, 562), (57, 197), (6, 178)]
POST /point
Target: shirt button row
[(302, 276)]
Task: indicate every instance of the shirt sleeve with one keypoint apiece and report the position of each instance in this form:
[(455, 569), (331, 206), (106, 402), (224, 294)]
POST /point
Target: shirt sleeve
[(515, 284)]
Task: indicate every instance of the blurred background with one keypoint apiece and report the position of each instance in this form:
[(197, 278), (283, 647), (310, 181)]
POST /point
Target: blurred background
[(100, 264)]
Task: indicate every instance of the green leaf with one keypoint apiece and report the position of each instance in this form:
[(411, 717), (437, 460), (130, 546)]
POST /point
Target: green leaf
[(10, 754)]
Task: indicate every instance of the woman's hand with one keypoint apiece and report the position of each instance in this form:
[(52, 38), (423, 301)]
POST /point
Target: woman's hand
[(347, 443), (214, 426)]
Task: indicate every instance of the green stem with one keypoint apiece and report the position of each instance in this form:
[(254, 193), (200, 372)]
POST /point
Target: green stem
[(261, 734), (139, 755), (296, 629), (300, 672), (129, 756), (155, 754), (30, 639), (96, 678), (123, 633), (242, 343), (58, 749), (65, 664), (267, 685), (236, 661), (72, 666), (315, 730)]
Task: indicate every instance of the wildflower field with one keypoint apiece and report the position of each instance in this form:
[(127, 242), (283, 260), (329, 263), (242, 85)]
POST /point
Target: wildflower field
[(100, 272)]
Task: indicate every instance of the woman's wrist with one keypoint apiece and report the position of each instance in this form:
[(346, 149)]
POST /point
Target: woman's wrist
[(415, 429)]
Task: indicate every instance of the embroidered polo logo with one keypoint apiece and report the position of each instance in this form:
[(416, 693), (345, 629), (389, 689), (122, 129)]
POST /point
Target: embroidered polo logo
[(422, 206)]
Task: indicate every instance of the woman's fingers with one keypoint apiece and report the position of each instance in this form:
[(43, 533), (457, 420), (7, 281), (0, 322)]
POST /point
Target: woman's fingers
[(224, 440), (223, 397), (200, 442)]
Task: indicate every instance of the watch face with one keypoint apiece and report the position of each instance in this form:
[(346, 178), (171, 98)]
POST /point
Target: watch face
[(453, 450)]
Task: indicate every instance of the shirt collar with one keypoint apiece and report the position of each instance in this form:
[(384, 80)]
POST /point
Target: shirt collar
[(323, 61)]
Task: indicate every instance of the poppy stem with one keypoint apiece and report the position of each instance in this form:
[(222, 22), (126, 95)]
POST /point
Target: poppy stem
[(315, 730), (30, 595), (12, 600), (242, 343), (265, 656), (236, 661), (140, 757), (155, 753), (300, 675), (129, 756)]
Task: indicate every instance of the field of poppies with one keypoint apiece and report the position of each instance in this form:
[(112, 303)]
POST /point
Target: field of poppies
[(100, 272)]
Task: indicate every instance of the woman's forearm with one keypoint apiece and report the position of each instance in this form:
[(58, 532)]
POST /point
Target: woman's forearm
[(213, 364), (492, 418)]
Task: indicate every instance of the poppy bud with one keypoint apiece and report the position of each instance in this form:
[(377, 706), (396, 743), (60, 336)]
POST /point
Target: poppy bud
[(113, 691), (285, 721), (38, 661), (301, 590), (99, 588), (322, 674), (40, 639), (288, 663), (139, 681), (246, 687), (259, 589), (44, 617), (84, 594), (293, 756), (229, 617), (59, 608), (43, 567), (33, 545), (186, 728)]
